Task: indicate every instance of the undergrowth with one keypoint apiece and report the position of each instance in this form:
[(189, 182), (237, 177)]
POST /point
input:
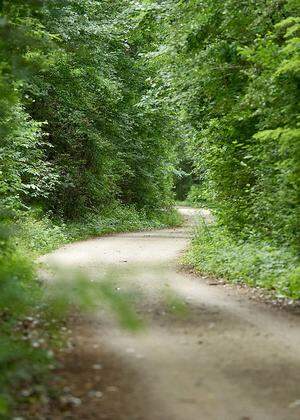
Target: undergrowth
[(42, 234), (254, 262)]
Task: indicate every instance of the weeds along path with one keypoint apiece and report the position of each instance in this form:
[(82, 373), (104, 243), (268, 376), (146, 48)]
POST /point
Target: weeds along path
[(206, 352)]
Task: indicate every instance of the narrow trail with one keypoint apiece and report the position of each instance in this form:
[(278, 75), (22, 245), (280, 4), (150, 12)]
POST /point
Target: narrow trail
[(206, 353)]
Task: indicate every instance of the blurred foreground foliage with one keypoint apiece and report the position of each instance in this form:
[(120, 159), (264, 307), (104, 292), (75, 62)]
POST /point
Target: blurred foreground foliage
[(33, 315)]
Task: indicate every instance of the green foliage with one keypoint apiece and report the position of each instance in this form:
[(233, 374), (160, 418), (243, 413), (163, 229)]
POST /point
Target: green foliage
[(261, 264), (77, 134), (175, 305), (120, 219), (22, 360), (229, 73), (40, 234), (199, 195), (24, 174)]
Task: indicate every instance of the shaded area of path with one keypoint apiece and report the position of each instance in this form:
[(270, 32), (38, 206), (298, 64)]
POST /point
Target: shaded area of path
[(206, 351)]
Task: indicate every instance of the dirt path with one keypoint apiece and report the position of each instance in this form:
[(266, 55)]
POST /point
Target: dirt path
[(207, 352)]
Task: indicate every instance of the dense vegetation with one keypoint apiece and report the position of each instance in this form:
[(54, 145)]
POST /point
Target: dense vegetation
[(80, 155), (71, 103), (229, 73), (105, 103)]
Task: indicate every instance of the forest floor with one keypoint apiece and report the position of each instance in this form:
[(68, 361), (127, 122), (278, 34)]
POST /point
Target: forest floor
[(206, 352)]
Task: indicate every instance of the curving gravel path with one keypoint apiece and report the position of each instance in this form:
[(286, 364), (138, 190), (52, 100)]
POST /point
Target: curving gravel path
[(207, 352)]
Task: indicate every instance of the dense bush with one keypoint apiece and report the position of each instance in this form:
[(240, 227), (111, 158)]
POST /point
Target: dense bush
[(77, 135), (230, 71)]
